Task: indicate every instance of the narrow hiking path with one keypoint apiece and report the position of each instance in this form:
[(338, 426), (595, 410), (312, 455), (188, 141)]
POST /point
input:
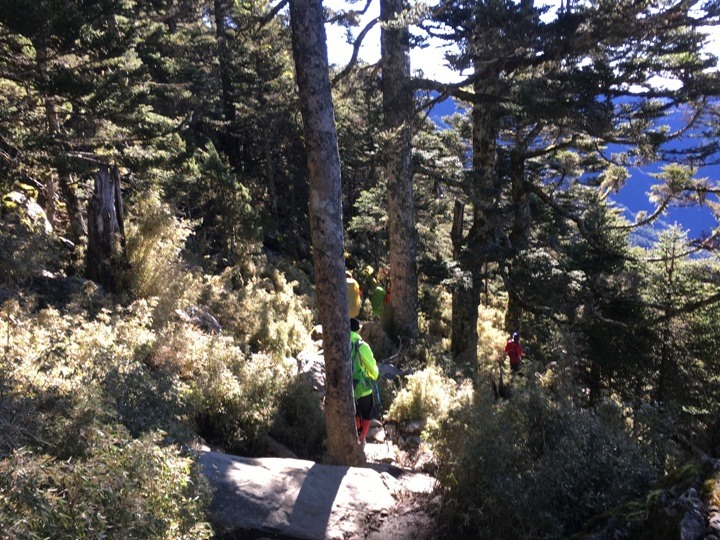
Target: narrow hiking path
[(413, 517), (284, 497)]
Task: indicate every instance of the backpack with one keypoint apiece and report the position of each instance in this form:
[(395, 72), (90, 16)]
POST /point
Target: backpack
[(361, 382)]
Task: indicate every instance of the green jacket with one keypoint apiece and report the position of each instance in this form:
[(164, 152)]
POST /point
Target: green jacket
[(377, 300), (364, 366)]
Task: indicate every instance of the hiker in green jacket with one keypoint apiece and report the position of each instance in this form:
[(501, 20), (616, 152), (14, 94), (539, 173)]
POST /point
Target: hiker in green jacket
[(365, 371)]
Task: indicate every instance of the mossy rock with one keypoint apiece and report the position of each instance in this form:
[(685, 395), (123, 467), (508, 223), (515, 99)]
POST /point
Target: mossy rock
[(658, 515)]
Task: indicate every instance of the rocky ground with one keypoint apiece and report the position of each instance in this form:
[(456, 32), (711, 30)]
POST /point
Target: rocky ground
[(413, 516)]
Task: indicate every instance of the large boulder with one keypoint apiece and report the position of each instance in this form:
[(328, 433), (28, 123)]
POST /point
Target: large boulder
[(311, 367), (296, 498)]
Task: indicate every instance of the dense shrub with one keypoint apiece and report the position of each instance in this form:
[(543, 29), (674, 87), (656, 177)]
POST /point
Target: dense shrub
[(260, 308), (155, 240), (69, 467), (98, 397), (491, 336), (128, 489), (299, 422), (235, 396), (534, 466), (428, 395)]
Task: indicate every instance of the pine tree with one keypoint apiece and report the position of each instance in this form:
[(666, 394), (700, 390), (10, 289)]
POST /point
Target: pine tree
[(573, 84)]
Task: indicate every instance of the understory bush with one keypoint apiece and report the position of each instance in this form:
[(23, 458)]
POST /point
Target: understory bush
[(126, 489), (260, 308), (155, 241), (428, 395), (299, 422), (491, 337), (235, 395), (534, 466), (98, 399), (69, 465)]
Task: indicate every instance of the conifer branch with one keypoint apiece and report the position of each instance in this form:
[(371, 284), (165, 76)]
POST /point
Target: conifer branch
[(262, 21), (356, 51)]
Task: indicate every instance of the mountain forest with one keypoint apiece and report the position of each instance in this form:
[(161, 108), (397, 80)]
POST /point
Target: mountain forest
[(184, 184)]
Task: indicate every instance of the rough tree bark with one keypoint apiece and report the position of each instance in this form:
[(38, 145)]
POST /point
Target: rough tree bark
[(398, 112), (481, 244), (106, 256), (227, 96), (463, 345), (519, 234), (326, 226)]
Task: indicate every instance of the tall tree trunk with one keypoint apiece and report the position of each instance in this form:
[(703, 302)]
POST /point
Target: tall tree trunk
[(519, 233), (106, 256), (50, 196), (481, 244), (465, 298), (326, 225), (398, 112), (78, 228), (271, 184), (594, 384), (669, 300), (227, 134)]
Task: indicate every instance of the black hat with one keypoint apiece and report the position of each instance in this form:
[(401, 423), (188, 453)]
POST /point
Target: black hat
[(354, 325), (515, 336)]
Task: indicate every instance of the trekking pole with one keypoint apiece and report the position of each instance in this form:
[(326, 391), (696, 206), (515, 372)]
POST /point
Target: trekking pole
[(379, 403), (382, 418)]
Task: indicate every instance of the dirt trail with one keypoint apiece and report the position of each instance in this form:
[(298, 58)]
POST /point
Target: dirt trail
[(413, 516)]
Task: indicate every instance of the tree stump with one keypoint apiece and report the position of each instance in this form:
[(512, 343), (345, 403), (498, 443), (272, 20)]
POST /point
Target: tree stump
[(106, 255)]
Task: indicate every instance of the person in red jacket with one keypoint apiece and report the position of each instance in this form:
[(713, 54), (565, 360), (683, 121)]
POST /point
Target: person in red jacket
[(514, 351)]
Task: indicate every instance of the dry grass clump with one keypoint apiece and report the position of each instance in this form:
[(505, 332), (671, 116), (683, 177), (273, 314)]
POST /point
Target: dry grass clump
[(491, 335), (255, 302), (155, 242)]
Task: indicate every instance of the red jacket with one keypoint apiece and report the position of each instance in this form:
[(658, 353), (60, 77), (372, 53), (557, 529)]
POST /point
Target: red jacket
[(514, 351)]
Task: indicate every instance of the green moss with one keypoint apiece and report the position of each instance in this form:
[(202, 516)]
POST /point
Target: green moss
[(649, 517), (682, 478)]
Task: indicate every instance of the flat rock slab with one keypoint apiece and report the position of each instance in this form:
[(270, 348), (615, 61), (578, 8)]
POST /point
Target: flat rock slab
[(296, 498)]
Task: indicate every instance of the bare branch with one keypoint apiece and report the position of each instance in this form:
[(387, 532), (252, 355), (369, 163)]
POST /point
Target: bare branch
[(435, 175), (687, 308), (344, 15), (455, 90), (356, 50), (262, 21)]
